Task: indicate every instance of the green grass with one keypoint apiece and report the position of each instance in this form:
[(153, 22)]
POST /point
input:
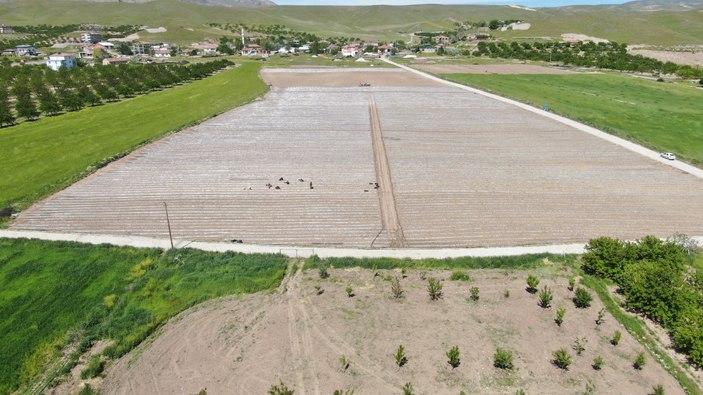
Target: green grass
[(509, 262), (50, 288), (42, 157), (661, 116), (373, 22)]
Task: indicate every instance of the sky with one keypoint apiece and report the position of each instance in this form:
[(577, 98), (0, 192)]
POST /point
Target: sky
[(528, 3)]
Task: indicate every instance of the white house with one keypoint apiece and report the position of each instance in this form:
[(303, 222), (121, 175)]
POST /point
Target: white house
[(350, 51), (25, 50), (58, 60)]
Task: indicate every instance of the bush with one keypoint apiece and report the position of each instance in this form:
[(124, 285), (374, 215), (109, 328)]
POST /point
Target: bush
[(562, 358), (503, 359), (616, 338), (434, 288), (454, 357), (474, 294), (579, 345), (344, 363), (560, 316), (343, 392), (640, 361), (659, 389), (598, 363), (400, 357), (95, 367), (601, 316), (582, 298), (350, 292), (280, 389), (408, 389), (572, 283), (506, 293), (324, 273), (545, 297), (532, 283), (460, 276)]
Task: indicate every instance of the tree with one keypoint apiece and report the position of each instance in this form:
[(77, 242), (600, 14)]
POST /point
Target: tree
[(597, 363), (494, 24), (223, 47), (25, 107), (6, 117), (560, 316), (396, 289), (640, 361), (280, 389), (532, 283), (400, 357), (562, 358), (49, 104), (503, 359), (545, 297)]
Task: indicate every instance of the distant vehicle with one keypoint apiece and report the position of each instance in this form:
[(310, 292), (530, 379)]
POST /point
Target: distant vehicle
[(668, 155)]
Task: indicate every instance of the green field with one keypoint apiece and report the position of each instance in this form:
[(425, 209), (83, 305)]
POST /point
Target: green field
[(48, 289), (661, 116), (187, 22), (42, 157)]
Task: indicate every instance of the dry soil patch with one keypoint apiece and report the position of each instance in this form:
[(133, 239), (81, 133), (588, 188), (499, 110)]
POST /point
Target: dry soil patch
[(330, 77), (489, 69)]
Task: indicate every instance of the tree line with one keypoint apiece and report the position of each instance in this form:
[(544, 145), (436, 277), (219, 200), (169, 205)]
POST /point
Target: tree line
[(658, 282), (609, 55), (26, 92), (45, 35)]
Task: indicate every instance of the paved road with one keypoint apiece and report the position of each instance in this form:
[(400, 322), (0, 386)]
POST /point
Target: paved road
[(301, 252), (577, 125)]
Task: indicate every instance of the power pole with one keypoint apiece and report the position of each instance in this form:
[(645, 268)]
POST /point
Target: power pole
[(168, 222), (243, 45)]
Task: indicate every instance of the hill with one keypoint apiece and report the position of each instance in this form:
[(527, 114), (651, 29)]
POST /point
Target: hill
[(664, 5), (188, 21)]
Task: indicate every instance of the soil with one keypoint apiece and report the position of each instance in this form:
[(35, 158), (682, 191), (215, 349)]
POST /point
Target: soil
[(298, 336), (489, 69), (693, 58), (321, 77)]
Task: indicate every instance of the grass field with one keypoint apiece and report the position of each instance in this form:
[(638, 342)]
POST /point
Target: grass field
[(42, 157), (188, 22), (661, 116), (50, 288)]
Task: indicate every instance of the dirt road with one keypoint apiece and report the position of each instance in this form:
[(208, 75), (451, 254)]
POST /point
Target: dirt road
[(389, 212)]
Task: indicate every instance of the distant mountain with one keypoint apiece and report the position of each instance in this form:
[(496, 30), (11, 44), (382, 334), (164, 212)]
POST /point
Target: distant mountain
[(220, 3), (664, 5)]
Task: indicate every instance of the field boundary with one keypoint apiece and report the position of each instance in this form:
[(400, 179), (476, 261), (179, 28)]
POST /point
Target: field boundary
[(302, 251), (629, 145)]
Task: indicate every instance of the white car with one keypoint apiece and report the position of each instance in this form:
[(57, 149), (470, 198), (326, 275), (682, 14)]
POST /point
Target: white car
[(668, 155)]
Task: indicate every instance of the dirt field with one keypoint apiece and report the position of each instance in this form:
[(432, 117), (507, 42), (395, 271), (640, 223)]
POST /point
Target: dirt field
[(286, 78), (463, 171), (691, 58), (489, 69), (296, 336)]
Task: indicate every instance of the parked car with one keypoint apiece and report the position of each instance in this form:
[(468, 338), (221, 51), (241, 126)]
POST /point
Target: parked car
[(668, 155)]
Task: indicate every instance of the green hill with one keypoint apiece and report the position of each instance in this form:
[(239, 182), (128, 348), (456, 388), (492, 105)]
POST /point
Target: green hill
[(187, 21)]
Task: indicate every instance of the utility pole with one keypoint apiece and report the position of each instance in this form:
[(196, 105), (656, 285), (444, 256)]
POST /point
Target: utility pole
[(168, 222), (243, 45)]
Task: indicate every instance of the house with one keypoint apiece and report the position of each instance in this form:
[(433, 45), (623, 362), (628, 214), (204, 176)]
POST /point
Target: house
[(252, 50), (87, 51), (443, 40), (90, 37), (6, 29), (8, 52), (304, 48), (107, 44), (386, 49), (162, 53), (115, 61), (351, 50), (429, 50), (59, 60), (204, 48), (25, 50)]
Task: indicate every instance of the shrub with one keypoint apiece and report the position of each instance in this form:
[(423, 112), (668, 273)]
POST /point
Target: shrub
[(400, 357), (350, 292), (344, 363), (434, 288), (616, 338), (95, 367), (503, 359), (322, 269), (597, 363), (562, 358), (560, 316), (474, 293), (532, 283), (408, 389), (506, 293), (454, 357), (280, 389), (582, 298), (460, 276), (601, 316), (343, 392), (572, 283), (87, 390), (659, 389), (545, 297), (319, 290), (396, 289), (640, 361), (579, 345)]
